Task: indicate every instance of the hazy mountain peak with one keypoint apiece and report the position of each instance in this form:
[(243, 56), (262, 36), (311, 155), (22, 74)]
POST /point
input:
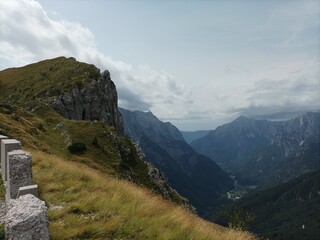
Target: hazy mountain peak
[(242, 118), (149, 125)]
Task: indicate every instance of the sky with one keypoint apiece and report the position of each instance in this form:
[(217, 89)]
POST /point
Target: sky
[(197, 64)]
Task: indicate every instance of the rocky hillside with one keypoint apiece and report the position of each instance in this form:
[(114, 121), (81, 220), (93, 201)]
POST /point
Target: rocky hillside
[(193, 175), (75, 90), (95, 181), (262, 152)]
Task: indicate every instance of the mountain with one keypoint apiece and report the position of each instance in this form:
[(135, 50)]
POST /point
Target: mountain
[(265, 153), (190, 136), (287, 211), (74, 89), (193, 175), (94, 180)]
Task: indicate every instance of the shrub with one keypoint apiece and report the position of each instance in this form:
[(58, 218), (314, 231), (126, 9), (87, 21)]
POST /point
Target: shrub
[(238, 218), (95, 143), (77, 148)]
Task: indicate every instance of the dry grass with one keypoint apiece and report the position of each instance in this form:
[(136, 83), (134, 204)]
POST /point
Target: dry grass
[(92, 205)]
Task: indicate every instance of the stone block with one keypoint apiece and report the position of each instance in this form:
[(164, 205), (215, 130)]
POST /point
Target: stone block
[(31, 189), (7, 145), (19, 170), (26, 219), (2, 137)]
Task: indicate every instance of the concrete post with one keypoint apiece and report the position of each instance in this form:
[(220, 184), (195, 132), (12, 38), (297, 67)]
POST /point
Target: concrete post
[(7, 145), (19, 170), (2, 137), (27, 218)]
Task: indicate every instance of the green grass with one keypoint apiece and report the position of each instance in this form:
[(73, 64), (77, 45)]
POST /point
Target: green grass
[(2, 190), (30, 85)]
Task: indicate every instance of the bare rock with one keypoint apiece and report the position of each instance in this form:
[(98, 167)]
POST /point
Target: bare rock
[(97, 101)]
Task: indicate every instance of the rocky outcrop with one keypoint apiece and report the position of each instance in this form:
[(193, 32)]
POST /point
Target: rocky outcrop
[(96, 101)]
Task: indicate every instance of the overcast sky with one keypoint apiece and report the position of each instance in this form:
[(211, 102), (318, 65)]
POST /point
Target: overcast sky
[(197, 64)]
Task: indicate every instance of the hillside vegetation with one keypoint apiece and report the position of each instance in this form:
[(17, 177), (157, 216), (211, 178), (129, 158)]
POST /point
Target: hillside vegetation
[(86, 203), (33, 84), (287, 211), (93, 180)]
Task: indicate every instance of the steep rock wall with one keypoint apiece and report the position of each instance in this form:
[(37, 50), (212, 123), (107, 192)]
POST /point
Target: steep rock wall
[(97, 101)]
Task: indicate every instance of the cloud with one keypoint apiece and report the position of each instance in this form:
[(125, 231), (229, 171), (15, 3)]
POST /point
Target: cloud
[(299, 18), (279, 99), (28, 35), (131, 100)]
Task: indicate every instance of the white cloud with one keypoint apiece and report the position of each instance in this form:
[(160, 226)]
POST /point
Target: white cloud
[(28, 35), (283, 90)]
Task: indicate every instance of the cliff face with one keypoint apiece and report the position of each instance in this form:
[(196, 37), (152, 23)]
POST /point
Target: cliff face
[(97, 101)]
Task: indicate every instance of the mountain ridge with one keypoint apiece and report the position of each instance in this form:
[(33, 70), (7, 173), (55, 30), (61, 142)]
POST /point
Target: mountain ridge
[(250, 147)]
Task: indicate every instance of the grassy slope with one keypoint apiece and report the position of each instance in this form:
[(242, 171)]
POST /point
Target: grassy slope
[(31, 84), (88, 195), (95, 205)]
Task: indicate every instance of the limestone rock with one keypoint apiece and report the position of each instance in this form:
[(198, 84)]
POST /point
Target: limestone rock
[(97, 101), (26, 219)]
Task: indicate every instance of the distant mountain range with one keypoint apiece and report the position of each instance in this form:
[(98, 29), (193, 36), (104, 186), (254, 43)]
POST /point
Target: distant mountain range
[(193, 175), (264, 153)]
